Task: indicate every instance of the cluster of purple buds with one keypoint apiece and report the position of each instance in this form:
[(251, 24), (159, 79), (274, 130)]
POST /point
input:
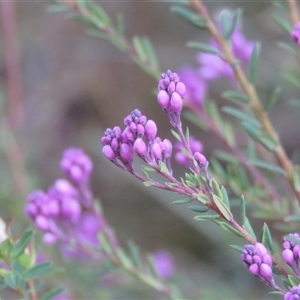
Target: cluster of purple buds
[(139, 136), (291, 253), (293, 294), (195, 146), (259, 262), (56, 211), (170, 96), (295, 34)]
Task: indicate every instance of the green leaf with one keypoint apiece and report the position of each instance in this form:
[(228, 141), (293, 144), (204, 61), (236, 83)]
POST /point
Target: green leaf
[(286, 26), (245, 117), (249, 228), (287, 47), (253, 65), (12, 279), (238, 248), (226, 157), (52, 294), (216, 189), (57, 8), (189, 16), (205, 217), (135, 254), (228, 23), (225, 197), (148, 183), (120, 24), (151, 56), (212, 111), (266, 238), (267, 166), (198, 208), (183, 201), (97, 33), (292, 79), (281, 5), (228, 228), (124, 259), (292, 218), (243, 210), (139, 48), (19, 247), (104, 242), (273, 99), (163, 168), (204, 48), (217, 168), (296, 177), (293, 280), (236, 97), (37, 271), (224, 210), (176, 135)]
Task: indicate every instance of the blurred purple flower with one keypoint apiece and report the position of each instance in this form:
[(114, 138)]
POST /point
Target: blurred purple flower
[(196, 146), (195, 86), (164, 265), (295, 34)]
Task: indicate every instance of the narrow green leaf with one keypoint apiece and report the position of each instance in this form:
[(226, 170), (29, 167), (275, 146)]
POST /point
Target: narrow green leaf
[(236, 97), (217, 168), (176, 135), (222, 208), (37, 271), (99, 15), (292, 79), (212, 111), (135, 254), (183, 201), (226, 24), (216, 189), (57, 8), (52, 294), (19, 247), (225, 197), (266, 238), (238, 248), (226, 157), (150, 53), (287, 47), (243, 210), (189, 16), (281, 5), (296, 177), (251, 130), (105, 244), (97, 33), (204, 48), (253, 65), (139, 48), (286, 26), (245, 117), (12, 279), (148, 183), (120, 24), (249, 228), (229, 134), (163, 168), (228, 228), (205, 217), (292, 218), (198, 208), (273, 99), (267, 166), (293, 280), (124, 259)]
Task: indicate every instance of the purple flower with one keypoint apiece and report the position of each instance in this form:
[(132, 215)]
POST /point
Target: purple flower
[(213, 66), (293, 294), (202, 161), (163, 262), (295, 34), (195, 86), (76, 165), (259, 262), (195, 145)]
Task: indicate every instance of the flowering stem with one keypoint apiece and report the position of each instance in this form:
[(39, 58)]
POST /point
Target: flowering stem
[(294, 11), (250, 91)]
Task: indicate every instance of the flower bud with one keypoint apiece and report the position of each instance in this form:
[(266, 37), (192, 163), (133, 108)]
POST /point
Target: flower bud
[(126, 153), (163, 99), (140, 147), (108, 152), (150, 130), (176, 103)]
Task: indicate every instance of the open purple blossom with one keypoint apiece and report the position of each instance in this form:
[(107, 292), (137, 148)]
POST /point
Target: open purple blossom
[(295, 34), (195, 145), (259, 262), (293, 293), (291, 253), (171, 91), (213, 66), (163, 263), (196, 86)]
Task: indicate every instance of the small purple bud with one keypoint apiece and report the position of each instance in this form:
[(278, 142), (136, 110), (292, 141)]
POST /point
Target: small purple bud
[(263, 250), (265, 271), (142, 120), (288, 256), (163, 99), (169, 148), (49, 238), (150, 130), (295, 34), (132, 127), (140, 130), (114, 144), (108, 152), (180, 89), (140, 147), (267, 259), (157, 151), (254, 270), (42, 223), (201, 159), (64, 187), (71, 208), (171, 88), (126, 153), (176, 103), (31, 210)]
